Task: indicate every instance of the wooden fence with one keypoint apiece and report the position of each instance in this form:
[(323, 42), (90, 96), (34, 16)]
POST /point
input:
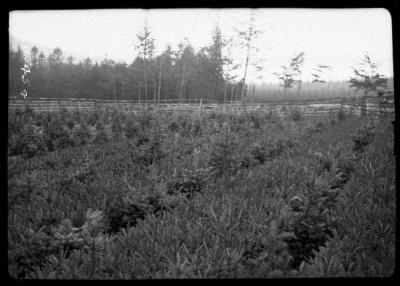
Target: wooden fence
[(372, 105)]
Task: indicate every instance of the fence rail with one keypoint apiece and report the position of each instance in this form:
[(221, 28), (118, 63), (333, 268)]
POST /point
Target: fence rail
[(383, 104)]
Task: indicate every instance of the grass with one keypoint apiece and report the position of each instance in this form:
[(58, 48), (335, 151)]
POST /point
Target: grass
[(180, 196)]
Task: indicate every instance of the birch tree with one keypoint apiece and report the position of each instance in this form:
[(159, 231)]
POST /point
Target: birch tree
[(229, 69), (246, 41), (146, 51)]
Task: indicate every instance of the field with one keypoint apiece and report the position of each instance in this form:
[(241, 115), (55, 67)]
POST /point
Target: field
[(106, 195)]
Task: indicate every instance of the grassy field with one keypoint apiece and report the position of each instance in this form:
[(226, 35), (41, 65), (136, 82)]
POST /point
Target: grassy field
[(101, 195), (331, 89)]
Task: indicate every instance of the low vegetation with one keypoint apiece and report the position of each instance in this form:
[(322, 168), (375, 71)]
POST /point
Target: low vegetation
[(105, 195)]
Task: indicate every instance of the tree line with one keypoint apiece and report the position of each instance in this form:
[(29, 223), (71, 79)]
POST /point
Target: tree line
[(182, 74), (173, 74)]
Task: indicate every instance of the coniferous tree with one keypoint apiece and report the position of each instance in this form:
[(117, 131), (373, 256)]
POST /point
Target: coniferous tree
[(367, 79), (172, 74), (318, 73), (286, 77), (185, 63), (296, 67), (217, 60)]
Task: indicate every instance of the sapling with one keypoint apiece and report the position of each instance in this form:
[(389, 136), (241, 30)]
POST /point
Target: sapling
[(368, 79)]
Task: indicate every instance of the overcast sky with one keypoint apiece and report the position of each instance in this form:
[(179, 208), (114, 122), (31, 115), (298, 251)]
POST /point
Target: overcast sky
[(336, 37)]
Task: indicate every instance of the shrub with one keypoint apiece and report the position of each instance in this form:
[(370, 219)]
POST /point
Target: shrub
[(341, 115), (126, 212), (94, 117), (275, 148), (57, 136), (116, 125), (344, 170), (81, 136), (247, 161), (196, 128), (183, 121), (29, 142), (70, 124), (123, 214), (21, 190), (33, 255), (101, 135), (187, 184), (173, 126), (39, 249), (270, 115), (212, 115), (313, 225), (149, 153), (131, 129), (255, 120), (145, 120), (142, 139), (259, 153), (319, 126), (363, 136), (222, 160), (295, 115), (325, 162)]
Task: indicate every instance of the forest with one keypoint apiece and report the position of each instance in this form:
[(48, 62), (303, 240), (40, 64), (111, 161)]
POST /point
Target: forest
[(174, 74)]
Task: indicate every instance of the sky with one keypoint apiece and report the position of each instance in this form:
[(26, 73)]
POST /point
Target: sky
[(335, 37)]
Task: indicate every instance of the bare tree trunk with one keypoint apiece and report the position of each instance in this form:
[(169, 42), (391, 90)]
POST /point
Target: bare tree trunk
[(232, 94), (140, 92), (298, 88), (245, 72), (247, 60), (216, 90), (182, 84), (237, 93), (115, 83), (225, 89), (145, 81), (159, 81)]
